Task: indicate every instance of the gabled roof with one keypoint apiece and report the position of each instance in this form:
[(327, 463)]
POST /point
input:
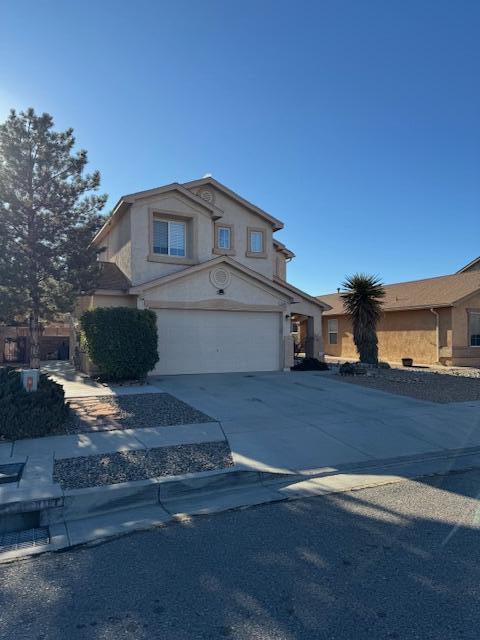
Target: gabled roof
[(111, 277), (325, 306), (125, 201), (140, 288), (187, 190), (469, 266), (276, 285), (193, 184), (442, 291), (279, 246)]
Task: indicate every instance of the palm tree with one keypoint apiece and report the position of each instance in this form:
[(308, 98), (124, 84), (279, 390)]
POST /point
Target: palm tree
[(362, 301)]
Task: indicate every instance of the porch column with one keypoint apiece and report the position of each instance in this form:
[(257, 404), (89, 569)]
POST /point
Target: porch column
[(288, 355), (313, 342)]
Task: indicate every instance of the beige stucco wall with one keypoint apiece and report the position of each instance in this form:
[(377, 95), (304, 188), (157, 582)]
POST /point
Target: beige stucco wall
[(91, 302), (118, 245), (241, 218), (462, 352), (198, 287), (280, 265), (200, 239), (401, 334)]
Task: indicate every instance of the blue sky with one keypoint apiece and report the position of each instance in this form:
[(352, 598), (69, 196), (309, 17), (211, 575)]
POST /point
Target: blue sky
[(356, 123)]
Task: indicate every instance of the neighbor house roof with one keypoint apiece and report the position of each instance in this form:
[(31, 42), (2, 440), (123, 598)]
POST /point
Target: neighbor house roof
[(111, 277), (442, 291), (468, 266)]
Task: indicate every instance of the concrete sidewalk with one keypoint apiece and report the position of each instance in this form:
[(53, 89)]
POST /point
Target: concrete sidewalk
[(78, 385), (39, 454)]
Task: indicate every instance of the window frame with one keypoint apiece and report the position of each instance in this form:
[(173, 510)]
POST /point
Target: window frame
[(256, 254), (471, 314), (190, 236), (332, 333), (216, 248), (169, 223)]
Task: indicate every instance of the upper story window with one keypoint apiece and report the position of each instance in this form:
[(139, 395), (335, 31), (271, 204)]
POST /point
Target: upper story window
[(333, 331), (169, 238), (256, 243), (224, 241), (474, 329), (224, 238)]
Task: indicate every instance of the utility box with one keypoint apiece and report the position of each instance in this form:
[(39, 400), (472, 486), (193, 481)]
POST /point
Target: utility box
[(30, 379)]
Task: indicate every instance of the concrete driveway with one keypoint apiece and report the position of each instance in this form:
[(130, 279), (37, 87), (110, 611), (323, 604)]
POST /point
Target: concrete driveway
[(306, 421)]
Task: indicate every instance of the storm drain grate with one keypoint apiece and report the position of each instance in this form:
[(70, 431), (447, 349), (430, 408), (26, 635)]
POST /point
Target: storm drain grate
[(14, 540), (11, 472)]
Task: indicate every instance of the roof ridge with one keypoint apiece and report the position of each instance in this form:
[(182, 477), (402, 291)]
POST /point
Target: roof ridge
[(404, 282)]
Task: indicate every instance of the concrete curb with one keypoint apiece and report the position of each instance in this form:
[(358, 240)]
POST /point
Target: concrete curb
[(93, 515)]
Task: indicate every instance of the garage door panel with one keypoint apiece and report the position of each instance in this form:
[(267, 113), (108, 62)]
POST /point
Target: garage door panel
[(197, 341)]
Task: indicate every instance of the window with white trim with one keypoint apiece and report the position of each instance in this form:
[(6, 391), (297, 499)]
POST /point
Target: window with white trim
[(333, 331), (224, 238), (169, 238), (256, 242), (474, 329)]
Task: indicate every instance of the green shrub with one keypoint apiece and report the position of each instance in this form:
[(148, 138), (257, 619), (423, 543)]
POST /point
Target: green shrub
[(310, 364), (121, 342), (32, 414)]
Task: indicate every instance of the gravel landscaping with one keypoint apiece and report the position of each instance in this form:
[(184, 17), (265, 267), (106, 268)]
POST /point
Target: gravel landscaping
[(106, 413), (433, 384), (124, 466)]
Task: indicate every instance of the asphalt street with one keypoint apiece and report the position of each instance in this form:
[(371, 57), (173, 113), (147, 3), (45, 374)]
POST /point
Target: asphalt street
[(396, 562)]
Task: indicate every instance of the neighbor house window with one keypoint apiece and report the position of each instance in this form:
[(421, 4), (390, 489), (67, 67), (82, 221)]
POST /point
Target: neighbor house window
[(224, 238), (333, 331), (169, 238), (474, 325)]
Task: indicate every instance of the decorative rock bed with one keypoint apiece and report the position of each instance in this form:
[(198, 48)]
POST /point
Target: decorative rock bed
[(124, 466), (106, 413), (430, 384)]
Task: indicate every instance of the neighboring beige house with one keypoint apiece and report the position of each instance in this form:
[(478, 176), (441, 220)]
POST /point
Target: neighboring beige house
[(15, 342), (436, 320), (205, 260)]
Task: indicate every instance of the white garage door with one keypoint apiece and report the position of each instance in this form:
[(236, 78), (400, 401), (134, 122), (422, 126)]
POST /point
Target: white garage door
[(217, 341)]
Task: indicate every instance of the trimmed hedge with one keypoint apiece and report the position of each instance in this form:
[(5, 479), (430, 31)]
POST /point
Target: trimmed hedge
[(121, 341), (32, 414)]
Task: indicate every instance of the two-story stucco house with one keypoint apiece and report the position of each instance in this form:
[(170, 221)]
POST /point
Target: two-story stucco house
[(205, 260)]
